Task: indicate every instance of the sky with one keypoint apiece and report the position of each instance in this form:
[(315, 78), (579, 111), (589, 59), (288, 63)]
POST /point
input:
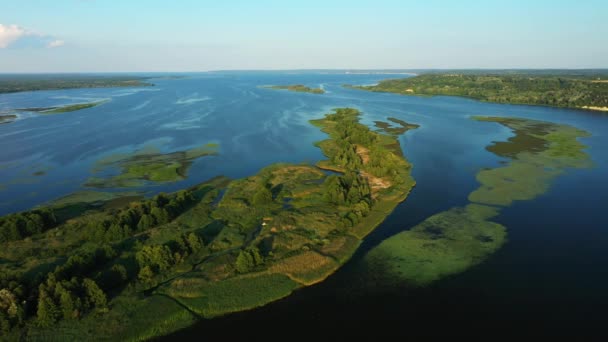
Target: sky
[(201, 35)]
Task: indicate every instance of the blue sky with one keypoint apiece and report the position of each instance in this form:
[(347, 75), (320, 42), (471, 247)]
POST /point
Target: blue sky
[(188, 35)]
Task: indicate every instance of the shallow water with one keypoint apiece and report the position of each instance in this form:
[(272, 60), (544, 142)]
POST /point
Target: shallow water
[(549, 275)]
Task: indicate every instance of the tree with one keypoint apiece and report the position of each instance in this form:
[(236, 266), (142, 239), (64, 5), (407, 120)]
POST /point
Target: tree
[(47, 312), (262, 196), (160, 215), (66, 303), (145, 222), (244, 262), (94, 295)]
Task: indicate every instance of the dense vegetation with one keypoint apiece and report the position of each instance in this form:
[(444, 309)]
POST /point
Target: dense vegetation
[(138, 268), (300, 88), (535, 89), (18, 83)]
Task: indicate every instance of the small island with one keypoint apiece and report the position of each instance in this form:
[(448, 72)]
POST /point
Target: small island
[(8, 118), (588, 92), (299, 88), (141, 268)]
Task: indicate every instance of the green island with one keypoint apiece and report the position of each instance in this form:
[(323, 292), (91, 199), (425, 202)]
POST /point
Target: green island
[(72, 108), (140, 268), (148, 165), (299, 88), (19, 83), (452, 241), (560, 90), (7, 118), (62, 109)]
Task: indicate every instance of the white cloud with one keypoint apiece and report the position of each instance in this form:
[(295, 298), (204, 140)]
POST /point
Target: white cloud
[(55, 43), (9, 34)]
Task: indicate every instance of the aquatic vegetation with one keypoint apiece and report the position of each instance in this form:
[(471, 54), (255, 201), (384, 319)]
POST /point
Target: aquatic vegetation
[(148, 165), (445, 243), (402, 127), (452, 241), (540, 151), (299, 88)]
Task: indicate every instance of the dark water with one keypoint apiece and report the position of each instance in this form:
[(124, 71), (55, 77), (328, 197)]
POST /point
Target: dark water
[(550, 278)]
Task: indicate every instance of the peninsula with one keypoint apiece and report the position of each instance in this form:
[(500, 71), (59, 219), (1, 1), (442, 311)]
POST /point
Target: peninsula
[(132, 270)]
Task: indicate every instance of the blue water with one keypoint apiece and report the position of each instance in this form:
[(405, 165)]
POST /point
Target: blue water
[(551, 271)]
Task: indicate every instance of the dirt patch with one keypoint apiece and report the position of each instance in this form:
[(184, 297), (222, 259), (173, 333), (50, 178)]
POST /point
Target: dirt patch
[(375, 183), (363, 153)]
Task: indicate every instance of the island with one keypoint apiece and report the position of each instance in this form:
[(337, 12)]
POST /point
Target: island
[(144, 267), (8, 118), (585, 91), (299, 88), (20, 83)]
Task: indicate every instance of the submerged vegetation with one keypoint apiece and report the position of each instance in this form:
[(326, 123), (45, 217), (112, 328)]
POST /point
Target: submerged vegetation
[(536, 89), (299, 88), (140, 268), (455, 240), (148, 165)]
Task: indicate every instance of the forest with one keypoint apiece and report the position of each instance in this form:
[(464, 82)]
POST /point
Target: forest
[(563, 90)]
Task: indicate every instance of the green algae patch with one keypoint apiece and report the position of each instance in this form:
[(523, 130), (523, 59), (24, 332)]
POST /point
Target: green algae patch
[(539, 152), (452, 241), (446, 243), (148, 165), (395, 126)]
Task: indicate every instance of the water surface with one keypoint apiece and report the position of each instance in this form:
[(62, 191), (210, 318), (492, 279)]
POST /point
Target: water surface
[(550, 275)]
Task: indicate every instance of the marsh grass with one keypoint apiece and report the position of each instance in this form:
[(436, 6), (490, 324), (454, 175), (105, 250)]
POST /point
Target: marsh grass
[(237, 294)]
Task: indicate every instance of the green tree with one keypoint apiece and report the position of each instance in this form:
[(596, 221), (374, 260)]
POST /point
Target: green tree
[(262, 196), (94, 295), (244, 262), (47, 312)]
